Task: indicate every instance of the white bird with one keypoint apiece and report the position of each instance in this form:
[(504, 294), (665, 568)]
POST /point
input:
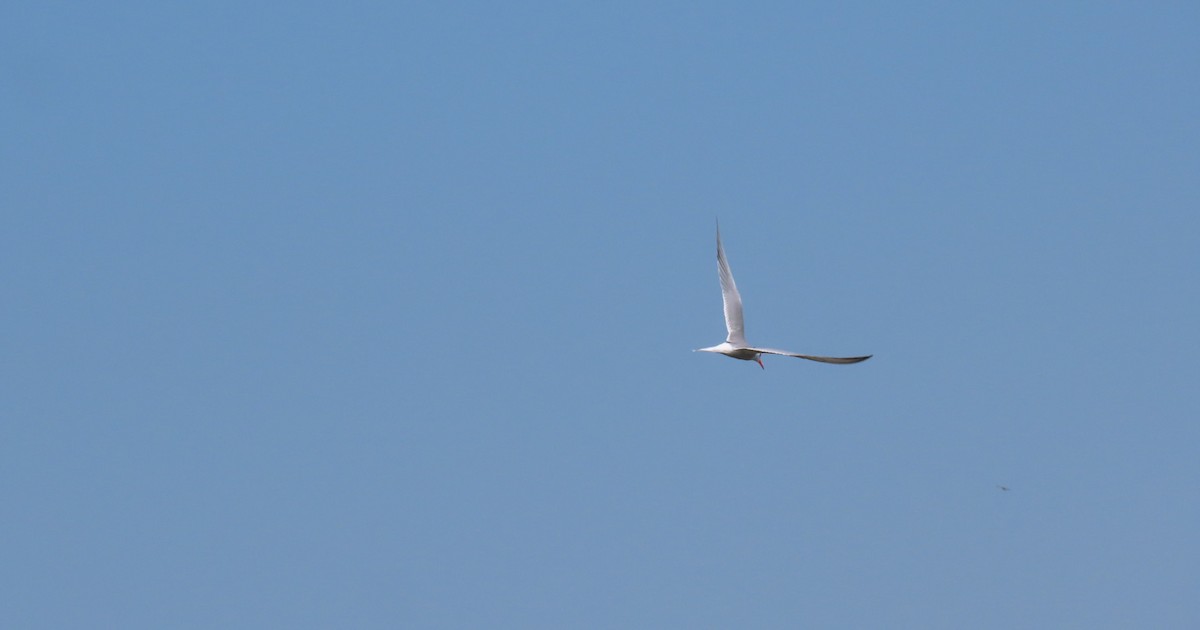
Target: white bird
[(735, 344)]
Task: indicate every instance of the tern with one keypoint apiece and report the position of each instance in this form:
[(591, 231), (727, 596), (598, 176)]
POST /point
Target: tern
[(735, 344)]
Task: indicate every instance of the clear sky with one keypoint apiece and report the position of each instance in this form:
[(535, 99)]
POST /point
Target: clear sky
[(375, 314)]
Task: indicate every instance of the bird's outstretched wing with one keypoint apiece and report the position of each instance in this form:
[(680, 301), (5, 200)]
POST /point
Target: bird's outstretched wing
[(810, 357), (731, 297)]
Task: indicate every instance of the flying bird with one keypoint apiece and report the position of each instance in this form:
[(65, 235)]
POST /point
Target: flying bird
[(735, 344)]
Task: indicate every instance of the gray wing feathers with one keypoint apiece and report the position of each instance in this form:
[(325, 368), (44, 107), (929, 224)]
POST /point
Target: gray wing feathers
[(842, 360), (731, 297)]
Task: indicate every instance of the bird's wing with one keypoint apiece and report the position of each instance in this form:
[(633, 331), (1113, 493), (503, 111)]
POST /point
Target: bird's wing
[(733, 300), (811, 357)]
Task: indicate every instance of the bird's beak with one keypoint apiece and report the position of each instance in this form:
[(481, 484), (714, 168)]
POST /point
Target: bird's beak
[(760, 363)]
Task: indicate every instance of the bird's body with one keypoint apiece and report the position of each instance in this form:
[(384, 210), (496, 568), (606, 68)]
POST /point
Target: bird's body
[(735, 344), (730, 350)]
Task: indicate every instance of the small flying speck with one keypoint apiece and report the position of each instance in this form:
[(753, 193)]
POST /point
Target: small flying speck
[(1003, 488)]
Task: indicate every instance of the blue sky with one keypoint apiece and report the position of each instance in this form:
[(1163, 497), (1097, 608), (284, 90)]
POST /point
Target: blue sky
[(381, 315)]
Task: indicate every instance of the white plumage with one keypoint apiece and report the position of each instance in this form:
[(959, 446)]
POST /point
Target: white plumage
[(735, 343)]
